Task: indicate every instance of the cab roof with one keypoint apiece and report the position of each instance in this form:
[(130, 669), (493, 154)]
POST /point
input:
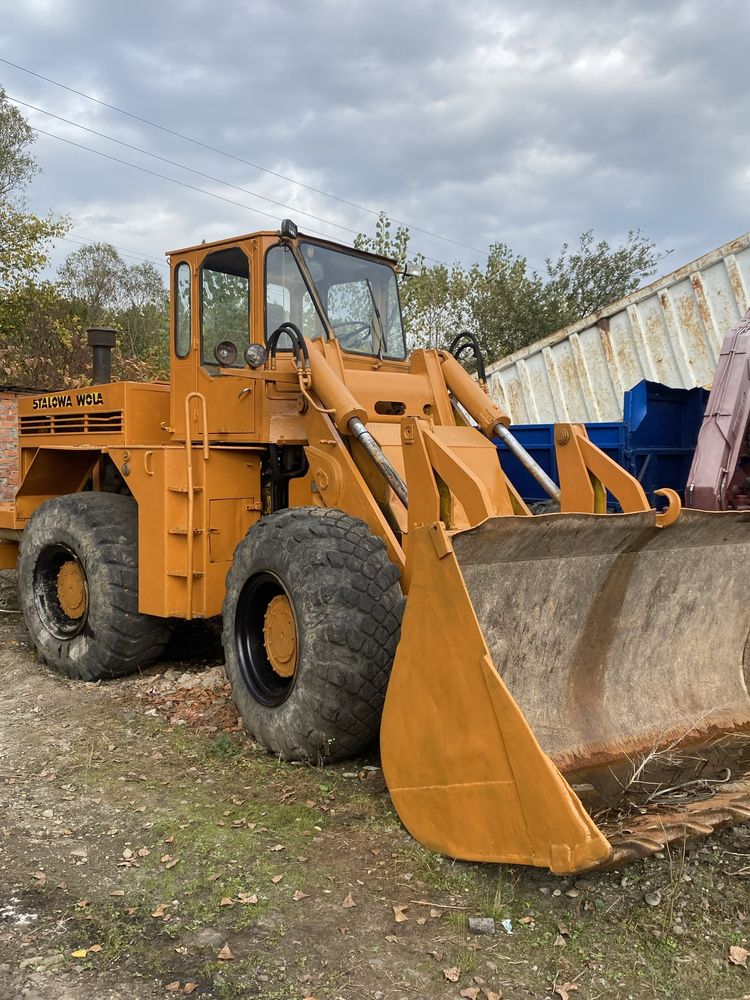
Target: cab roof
[(232, 240)]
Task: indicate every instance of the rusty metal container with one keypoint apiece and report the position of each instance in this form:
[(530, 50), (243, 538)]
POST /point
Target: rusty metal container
[(670, 331)]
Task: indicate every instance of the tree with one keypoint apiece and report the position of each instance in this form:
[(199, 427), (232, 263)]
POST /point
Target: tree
[(17, 165), (384, 242), (92, 278), (104, 290), (25, 238), (593, 275), (24, 244)]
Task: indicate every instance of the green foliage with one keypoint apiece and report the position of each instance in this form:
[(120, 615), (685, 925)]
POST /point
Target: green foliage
[(104, 290), (385, 242), (24, 237), (44, 342), (42, 324), (593, 275), (17, 165), (24, 244)]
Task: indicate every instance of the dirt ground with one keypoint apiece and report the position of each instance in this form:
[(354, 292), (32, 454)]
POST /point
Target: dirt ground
[(149, 849)]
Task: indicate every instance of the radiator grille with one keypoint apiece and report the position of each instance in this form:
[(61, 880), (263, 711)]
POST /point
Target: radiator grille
[(77, 422)]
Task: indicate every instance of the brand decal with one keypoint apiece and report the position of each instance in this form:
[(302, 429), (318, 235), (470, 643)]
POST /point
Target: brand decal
[(63, 400)]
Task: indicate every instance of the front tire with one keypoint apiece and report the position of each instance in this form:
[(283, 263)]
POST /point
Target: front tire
[(312, 618), (78, 588)]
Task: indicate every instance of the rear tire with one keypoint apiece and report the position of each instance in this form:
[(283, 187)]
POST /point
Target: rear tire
[(322, 576), (78, 588)]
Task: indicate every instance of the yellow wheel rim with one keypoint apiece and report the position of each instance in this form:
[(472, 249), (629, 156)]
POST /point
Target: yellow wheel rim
[(71, 589), (280, 636)]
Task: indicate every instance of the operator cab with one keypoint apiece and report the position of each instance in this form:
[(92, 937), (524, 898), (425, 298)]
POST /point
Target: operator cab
[(324, 289), (230, 296)]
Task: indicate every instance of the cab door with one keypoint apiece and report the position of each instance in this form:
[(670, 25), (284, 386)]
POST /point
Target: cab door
[(223, 377)]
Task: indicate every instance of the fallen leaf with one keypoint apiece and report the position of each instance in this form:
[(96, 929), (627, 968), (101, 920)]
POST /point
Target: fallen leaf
[(160, 910), (564, 990), (247, 898), (437, 955), (399, 914), (277, 847), (226, 901), (127, 854), (190, 987), (392, 938), (95, 948), (421, 921), (172, 863), (226, 954), (298, 895), (214, 878), (491, 995), (173, 987), (348, 902), (169, 840), (41, 878), (117, 892), (559, 942), (143, 852), (472, 992), (164, 858), (451, 974), (276, 879), (530, 920), (738, 955), (80, 953)]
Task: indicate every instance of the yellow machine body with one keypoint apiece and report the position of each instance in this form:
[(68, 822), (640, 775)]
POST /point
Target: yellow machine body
[(551, 670)]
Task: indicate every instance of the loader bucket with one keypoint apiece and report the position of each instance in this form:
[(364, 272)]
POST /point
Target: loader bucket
[(550, 662)]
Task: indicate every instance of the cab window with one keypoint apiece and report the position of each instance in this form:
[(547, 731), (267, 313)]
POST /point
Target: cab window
[(182, 310), (287, 297), (225, 303)]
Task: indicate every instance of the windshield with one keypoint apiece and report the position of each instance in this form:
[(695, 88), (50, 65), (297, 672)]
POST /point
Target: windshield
[(361, 299)]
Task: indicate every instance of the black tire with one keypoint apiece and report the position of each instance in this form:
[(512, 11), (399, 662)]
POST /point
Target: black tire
[(347, 603), (99, 533)]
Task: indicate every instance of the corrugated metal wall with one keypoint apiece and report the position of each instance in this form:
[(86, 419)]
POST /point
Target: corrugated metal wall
[(668, 332)]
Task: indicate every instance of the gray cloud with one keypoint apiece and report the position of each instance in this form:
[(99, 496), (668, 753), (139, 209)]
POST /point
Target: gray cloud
[(482, 121)]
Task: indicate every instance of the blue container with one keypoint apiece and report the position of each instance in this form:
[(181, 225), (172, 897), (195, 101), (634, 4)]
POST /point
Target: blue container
[(654, 441)]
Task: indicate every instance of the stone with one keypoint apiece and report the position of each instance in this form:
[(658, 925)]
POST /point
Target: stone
[(29, 963), (481, 925)]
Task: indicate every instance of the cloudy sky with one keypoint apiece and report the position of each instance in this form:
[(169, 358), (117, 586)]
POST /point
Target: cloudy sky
[(523, 122)]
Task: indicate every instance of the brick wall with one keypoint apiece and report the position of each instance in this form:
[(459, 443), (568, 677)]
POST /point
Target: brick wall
[(8, 445)]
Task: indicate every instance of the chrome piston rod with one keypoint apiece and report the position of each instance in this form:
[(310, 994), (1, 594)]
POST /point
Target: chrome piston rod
[(516, 448), (375, 452)]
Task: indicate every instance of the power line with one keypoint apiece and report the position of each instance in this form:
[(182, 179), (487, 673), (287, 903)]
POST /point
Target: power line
[(154, 173), (174, 180), (181, 166), (238, 159), (123, 250)]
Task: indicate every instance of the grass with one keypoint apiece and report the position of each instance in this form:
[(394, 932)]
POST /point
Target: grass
[(205, 784)]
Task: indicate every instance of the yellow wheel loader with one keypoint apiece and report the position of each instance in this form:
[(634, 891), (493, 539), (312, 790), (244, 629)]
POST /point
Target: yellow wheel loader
[(564, 690)]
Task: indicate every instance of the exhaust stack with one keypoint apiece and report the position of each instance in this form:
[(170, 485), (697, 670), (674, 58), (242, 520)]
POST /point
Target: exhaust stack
[(101, 339)]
